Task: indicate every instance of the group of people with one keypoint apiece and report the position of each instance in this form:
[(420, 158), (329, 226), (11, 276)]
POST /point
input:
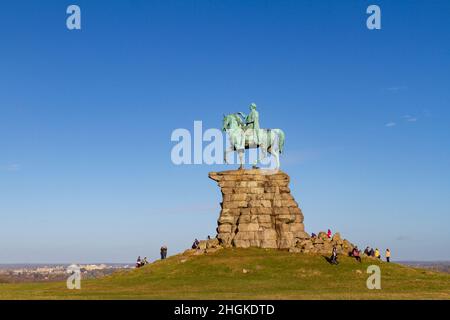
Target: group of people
[(329, 234), (356, 253), (142, 262), (163, 252), (197, 243), (376, 253)]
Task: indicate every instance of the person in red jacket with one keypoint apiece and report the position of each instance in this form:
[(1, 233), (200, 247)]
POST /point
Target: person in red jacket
[(329, 233)]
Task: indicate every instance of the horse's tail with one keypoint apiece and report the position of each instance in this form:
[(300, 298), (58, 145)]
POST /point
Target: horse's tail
[(281, 139)]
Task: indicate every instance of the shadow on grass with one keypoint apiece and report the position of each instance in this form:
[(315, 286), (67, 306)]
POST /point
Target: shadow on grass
[(330, 261)]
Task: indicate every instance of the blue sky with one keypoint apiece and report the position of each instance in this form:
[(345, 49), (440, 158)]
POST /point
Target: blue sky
[(86, 118)]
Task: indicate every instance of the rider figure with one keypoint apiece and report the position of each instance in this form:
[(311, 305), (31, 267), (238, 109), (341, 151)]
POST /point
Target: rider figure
[(252, 122)]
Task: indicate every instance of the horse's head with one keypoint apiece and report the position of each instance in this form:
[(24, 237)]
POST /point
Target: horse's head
[(231, 122), (225, 123), (228, 122)]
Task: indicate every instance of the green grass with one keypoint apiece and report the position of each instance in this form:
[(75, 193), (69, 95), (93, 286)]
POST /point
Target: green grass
[(272, 274)]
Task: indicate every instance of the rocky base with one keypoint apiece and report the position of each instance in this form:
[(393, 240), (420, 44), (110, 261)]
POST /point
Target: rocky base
[(205, 246), (258, 210), (323, 245), (320, 244)]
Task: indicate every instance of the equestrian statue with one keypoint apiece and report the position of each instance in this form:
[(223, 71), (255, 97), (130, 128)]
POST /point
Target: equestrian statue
[(245, 133)]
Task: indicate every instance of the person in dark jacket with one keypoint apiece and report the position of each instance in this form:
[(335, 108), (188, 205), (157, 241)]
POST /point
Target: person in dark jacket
[(163, 252), (333, 258), (367, 251)]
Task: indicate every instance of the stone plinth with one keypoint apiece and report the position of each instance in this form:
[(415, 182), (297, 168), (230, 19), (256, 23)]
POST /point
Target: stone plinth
[(258, 210)]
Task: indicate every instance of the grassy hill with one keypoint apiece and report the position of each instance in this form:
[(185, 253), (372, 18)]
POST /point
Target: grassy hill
[(270, 274)]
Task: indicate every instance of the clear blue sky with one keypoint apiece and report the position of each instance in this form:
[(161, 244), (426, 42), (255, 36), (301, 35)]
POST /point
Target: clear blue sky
[(86, 118)]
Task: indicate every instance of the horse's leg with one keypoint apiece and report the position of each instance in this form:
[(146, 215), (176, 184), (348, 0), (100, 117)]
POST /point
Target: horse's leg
[(241, 158), (232, 145), (261, 145), (276, 154), (264, 153), (255, 163), (225, 153), (275, 149), (265, 146), (258, 154)]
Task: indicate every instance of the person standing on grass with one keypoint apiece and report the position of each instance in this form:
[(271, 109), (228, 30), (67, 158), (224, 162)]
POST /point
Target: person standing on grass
[(333, 258), (163, 252), (388, 255)]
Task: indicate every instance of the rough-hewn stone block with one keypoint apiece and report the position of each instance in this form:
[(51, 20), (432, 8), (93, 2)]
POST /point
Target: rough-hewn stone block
[(258, 210)]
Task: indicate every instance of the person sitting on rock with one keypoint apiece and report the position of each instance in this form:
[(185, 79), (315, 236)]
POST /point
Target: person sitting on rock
[(367, 251), (329, 233), (371, 253), (195, 244), (313, 235), (377, 253), (145, 261), (355, 254), (138, 262)]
